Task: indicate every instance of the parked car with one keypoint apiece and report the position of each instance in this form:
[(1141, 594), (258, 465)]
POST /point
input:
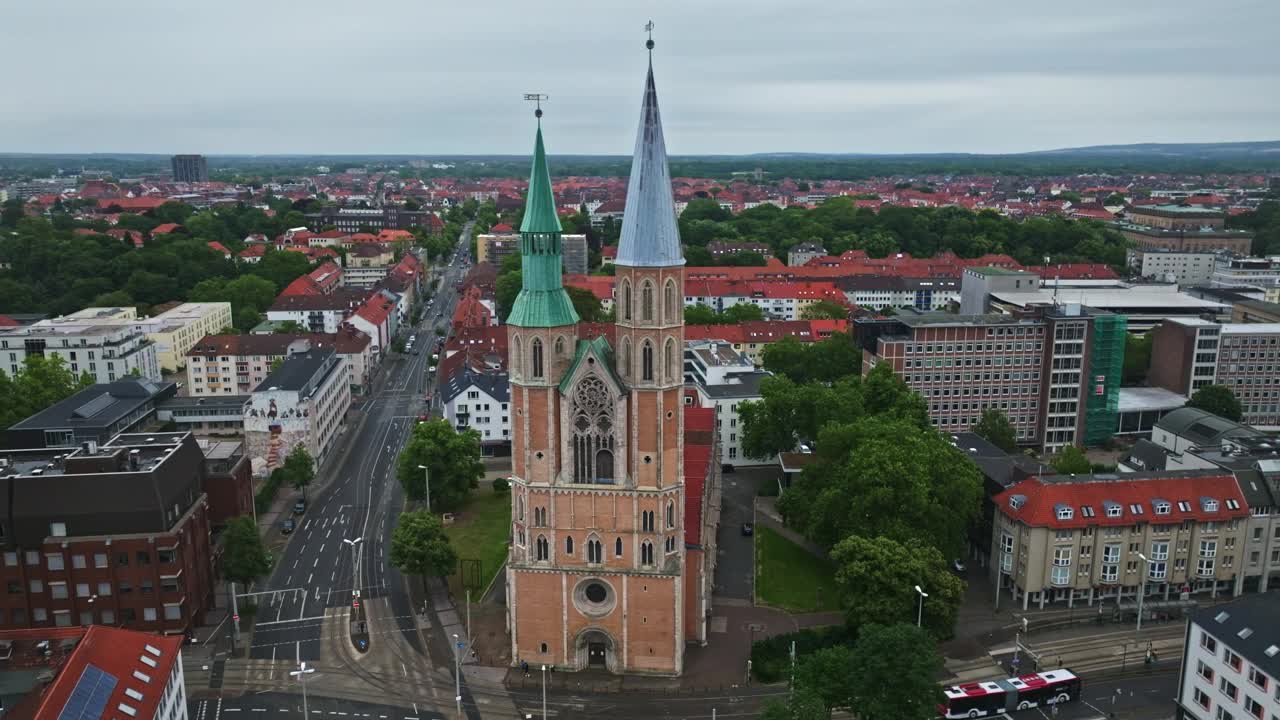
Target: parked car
[(288, 526), (958, 566), (299, 507), (748, 529)]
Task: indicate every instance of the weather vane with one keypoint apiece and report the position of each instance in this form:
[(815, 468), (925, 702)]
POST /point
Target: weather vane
[(537, 99), (648, 27)]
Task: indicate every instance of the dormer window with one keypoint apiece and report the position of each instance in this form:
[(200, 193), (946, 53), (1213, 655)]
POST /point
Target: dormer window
[(1114, 510), (1065, 512), (1087, 511), (1232, 504), (1162, 507), (1017, 501), (1184, 506), (1208, 504), (1136, 509)]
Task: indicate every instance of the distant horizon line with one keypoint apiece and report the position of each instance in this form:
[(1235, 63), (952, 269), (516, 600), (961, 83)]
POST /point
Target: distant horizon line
[(1125, 148)]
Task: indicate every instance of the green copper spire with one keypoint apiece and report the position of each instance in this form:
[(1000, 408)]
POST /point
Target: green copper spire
[(542, 301)]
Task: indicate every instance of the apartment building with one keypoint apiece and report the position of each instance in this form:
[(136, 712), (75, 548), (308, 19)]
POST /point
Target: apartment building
[(302, 402), (189, 168), (236, 364), (891, 291), (1188, 354), (177, 330), (1246, 272), (1097, 538), (1054, 374), (114, 534), (367, 264), (480, 401), (318, 313), (1184, 268), (1192, 439), (1248, 310), (92, 672), (1231, 661), (106, 346), (804, 252), (494, 246), (778, 300), (751, 337), (723, 379), (389, 217)]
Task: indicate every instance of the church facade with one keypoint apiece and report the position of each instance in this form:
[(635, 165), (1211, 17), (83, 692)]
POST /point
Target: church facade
[(610, 563)]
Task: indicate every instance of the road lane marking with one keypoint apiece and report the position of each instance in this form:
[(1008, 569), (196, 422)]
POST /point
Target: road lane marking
[(292, 620), (321, 550), (309, 576)]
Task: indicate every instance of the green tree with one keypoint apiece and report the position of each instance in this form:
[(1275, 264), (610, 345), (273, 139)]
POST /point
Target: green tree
[(742, 312), (1071, 461), (39, 383), (300, 469), (1137, 357), (244, 557), (699, 314), (586, 303), (995, 428), (289, 327), (867, 471), (804, 704), (420, 547), (894, 673), (877, 577), (827, 674), (824, 310), (790, 413), (453, 459), (506, 290), (824, 361), (11, 213), (1217, 399), (281, 267)]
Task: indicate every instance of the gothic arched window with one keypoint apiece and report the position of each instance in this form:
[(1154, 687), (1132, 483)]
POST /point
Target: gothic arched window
[(671, 514), (646, 361), (646, 521), (646, 301), (595, 553), (516, 355), (559, 350), (592, 432), (671, 360), (617, 547), (535, 351), (519, 508), (646, 553), (568, 546), (626, 299), (542, 548), (670, 303), (624, 356)]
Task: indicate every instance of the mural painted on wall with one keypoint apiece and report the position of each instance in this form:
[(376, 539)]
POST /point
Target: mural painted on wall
[(273, 425)]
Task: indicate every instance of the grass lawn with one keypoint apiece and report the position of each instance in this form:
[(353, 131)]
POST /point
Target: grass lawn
[(790, 577), (479, 532)]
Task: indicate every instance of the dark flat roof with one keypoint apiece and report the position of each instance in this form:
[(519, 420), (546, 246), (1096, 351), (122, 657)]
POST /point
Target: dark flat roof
[(296, 371), (99, 405)]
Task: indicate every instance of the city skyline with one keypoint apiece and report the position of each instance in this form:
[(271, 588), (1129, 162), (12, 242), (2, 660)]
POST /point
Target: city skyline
[(753, 78)]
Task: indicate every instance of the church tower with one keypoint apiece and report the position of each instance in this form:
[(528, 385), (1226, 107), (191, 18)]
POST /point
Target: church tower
[(595, 575)]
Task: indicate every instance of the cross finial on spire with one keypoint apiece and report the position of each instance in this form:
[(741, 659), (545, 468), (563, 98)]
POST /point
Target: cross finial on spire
[(537, 99), (648, 27)]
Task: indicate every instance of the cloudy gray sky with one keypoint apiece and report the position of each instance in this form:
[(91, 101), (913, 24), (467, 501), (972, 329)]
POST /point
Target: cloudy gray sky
[(433, 76)]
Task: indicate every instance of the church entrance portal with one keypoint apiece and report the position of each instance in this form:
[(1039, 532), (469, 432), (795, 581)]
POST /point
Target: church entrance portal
[(595, 655), (595, 651)]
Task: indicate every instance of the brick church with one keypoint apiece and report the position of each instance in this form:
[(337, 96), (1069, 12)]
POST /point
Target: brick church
[(615, 494)]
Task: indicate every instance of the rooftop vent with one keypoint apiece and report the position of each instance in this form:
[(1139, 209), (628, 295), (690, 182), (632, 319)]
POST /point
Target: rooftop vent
[(1222, 616), (1245, 633)]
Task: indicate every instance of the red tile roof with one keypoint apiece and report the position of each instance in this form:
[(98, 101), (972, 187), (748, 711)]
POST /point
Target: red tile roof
[(139, 204), (6, 321), (1184, 492), (699, 433), (609, 251), (219, 247), (165, 229), (254, 251), (376, 309), (1074, 271), (119, 653), (501, 228)]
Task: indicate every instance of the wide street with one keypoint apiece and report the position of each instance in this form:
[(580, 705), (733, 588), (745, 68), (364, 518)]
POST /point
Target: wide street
[(302, 606)]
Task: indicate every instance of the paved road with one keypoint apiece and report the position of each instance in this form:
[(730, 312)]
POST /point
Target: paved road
[(283, 705), (735, 571), (302, 608)]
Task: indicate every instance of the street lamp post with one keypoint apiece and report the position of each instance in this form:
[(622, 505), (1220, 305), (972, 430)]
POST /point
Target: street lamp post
[(920, 609), (355, 563), (457, 677), (426, 476), (544, 692), (1142, 588), (301, 673)]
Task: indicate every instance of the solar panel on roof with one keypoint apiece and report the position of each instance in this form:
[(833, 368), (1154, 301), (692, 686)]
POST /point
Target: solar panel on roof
[(94, 406), (89, 698)]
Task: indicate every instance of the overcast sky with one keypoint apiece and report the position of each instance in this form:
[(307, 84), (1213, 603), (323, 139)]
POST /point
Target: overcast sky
[(435, 77)]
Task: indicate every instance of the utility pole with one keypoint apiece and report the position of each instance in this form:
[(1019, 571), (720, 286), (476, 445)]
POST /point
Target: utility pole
[(457, 676), (426, 476), (468, 617), (235, 618), (544, 692)]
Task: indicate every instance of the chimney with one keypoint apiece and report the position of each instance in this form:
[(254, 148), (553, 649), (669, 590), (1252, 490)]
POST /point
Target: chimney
[(91, 447)]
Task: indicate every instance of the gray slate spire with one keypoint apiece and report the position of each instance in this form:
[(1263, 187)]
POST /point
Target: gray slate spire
[(650, 236)]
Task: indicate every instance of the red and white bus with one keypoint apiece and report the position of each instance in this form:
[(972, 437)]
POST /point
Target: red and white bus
[(980, 699)]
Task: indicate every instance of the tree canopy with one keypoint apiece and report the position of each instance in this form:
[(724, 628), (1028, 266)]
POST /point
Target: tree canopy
[(995, 428), (453, 459), (824, 361), (699, 314), (1071, 460), (1217, 399), (299, 468), (39, 383), (420, 547), (894, 674), (877, 577), (244, 557), (824, 310)]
